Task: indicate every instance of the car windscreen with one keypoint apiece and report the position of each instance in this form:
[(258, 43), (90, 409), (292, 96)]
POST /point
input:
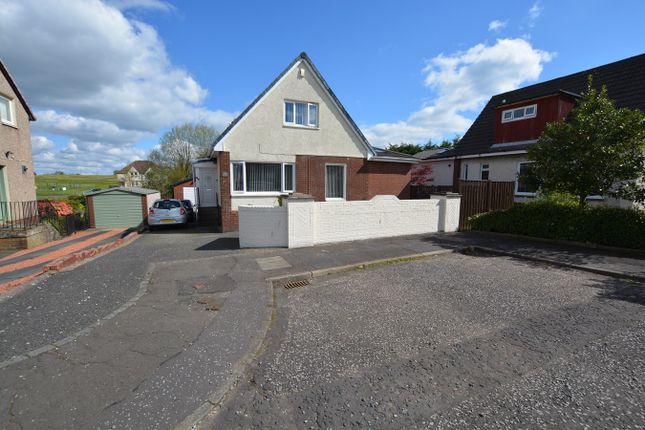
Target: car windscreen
[(166, 204)]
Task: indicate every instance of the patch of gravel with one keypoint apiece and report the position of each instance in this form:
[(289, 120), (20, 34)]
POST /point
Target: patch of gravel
[(410, 345)]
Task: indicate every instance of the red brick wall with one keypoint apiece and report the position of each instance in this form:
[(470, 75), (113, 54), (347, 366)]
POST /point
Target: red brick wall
[(365, 179), (90, 210), (144, 207), (388, 178), (310, 176), (230, 220), (178, 190)]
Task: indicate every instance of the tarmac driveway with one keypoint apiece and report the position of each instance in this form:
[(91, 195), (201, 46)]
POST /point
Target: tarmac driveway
[(453, 342)]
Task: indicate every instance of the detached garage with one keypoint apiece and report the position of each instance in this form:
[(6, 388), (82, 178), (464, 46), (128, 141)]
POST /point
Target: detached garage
[(119, 207)]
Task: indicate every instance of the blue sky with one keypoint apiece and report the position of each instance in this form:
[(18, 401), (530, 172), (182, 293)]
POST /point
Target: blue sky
[(106, 79)]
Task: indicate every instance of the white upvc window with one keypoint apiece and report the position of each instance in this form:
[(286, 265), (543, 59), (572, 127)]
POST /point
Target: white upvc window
[(300, 114), (464, 171), (288, 177), (335, 181), (7, 113), (262, 178), (521, 188), (516, 114), (485, 172)]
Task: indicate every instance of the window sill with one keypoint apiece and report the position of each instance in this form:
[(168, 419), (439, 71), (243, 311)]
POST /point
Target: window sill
[(517, 119), (9, 124), (260, 194), (518, 194), (300, 127), (334, 199)]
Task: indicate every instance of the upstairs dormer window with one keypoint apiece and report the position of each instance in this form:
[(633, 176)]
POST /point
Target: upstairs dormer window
[(6, 111), (524, 112), (300, 114)]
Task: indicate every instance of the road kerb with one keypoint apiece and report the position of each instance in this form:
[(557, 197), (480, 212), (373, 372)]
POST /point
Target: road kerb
[(292, 277), (596, 270)]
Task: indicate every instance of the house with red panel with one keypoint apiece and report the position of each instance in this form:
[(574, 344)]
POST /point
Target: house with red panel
[(494, 147), (295, 137)]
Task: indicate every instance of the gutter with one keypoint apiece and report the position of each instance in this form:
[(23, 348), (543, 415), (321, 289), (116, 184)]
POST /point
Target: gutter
[(483, 155)]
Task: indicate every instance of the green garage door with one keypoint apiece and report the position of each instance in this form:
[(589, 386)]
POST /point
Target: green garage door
[(117, 209)]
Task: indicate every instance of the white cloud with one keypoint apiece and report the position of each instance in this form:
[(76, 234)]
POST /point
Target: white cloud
[(87, 157), (41, 144), (497, 25), (462, 83), (142, 4), (534, 13), (95, 75), (88, 129)]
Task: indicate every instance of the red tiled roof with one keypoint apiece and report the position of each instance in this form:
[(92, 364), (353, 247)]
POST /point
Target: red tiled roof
[(140, 166)]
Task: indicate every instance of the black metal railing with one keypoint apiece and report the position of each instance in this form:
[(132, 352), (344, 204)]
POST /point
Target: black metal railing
[(26, 215), (19, 215)]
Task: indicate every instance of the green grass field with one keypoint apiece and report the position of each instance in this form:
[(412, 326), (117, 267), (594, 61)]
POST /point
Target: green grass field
[(61, 186)]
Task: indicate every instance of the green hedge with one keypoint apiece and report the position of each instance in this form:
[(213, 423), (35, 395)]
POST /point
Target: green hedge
[(596, 224)]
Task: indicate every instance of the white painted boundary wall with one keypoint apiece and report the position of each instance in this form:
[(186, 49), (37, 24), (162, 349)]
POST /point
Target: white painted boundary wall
[(263, 226), (304, 222)]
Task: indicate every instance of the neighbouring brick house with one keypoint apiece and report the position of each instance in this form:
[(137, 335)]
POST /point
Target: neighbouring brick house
[(17, 182), (494, 147), (134, 174), (296, 137)]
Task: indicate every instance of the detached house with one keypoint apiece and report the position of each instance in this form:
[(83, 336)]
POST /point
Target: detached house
[(295, 136), (494, 147), (17, 182), (134, 174)]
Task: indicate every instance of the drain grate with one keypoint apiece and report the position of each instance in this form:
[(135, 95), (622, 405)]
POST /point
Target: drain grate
[(296, 284)]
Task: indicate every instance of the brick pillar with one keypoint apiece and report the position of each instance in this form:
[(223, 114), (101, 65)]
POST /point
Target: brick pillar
[(90, 210), (302, 174), (229, 216)]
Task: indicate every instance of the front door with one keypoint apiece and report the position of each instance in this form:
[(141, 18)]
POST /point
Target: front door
[(208, 186)]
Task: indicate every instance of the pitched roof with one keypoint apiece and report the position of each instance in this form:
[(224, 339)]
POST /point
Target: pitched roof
[(131, 190), (428, 153), (15, 89), (140, 166), (625, 81), (302, 57), (385, 154)]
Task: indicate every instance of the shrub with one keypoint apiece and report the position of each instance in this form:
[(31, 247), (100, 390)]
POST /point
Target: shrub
[(596, 224)]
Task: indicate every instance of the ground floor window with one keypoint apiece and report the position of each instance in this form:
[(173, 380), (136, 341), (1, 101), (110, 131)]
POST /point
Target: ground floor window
[(485, 171), (521, 187), (250, 177), (335, 181)]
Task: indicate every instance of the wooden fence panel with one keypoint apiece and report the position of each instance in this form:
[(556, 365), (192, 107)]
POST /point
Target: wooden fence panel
[(476, 196), (483, 196)]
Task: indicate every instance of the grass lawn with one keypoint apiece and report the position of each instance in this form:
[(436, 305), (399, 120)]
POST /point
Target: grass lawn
[(61, 186)]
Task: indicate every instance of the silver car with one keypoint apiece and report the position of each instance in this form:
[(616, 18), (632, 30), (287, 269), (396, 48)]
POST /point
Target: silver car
[(167, 212)]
